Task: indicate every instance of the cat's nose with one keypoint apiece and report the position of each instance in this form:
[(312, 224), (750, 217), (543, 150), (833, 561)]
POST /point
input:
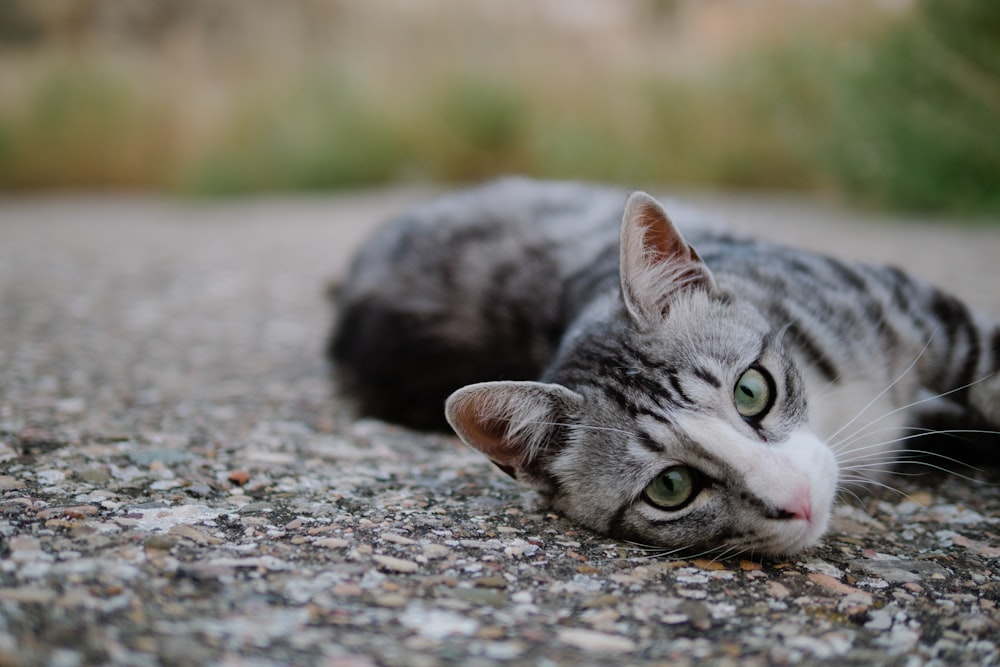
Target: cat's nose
[(803, 511), (799, 507)]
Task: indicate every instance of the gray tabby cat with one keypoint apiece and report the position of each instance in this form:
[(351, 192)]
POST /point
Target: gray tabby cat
[(710, 400)]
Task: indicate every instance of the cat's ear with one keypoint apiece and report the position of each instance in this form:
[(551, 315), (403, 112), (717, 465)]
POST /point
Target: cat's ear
[(512, 422), (656, 261)]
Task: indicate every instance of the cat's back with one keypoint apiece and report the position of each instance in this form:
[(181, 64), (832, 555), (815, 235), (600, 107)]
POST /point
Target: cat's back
[(475, 285), (463, 241)]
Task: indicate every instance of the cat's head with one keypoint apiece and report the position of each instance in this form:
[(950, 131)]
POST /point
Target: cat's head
[(676, 419)]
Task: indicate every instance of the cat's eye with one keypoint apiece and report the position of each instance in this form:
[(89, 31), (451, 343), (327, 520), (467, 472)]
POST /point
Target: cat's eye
[(754, 393), (673, 488)]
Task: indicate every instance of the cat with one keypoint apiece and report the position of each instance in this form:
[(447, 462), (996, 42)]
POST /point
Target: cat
[(702, 393)]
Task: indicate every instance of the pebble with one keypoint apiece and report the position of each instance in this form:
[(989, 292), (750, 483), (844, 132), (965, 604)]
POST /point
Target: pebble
[(332, 543), (194, 534), (588, 640), (8, 483), (239, 477), (396, 564)]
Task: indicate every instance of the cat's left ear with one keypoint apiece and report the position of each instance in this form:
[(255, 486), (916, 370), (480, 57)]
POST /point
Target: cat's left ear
[(512, 423), (656, 262)]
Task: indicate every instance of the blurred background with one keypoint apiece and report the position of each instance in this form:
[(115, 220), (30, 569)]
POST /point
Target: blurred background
[(884, 103)]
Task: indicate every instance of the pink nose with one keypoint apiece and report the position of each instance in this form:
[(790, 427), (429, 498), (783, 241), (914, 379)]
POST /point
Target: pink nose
[(802, 511), (799, 506)]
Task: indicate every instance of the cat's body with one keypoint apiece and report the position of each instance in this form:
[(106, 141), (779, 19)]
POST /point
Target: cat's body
[(706, 396)]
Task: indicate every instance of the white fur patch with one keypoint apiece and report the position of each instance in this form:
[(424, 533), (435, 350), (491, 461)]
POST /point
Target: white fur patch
[(782, 475)]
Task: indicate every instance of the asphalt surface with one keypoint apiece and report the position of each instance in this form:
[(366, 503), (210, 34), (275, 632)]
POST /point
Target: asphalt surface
[(179, 483)]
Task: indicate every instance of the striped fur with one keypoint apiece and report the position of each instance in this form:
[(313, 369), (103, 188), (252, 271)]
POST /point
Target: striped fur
[(587, 352)]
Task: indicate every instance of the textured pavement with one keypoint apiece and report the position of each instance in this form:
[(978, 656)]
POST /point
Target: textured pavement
[(179, 484)]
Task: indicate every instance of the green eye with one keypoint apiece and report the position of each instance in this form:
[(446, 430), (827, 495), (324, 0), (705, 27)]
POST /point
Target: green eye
[(752, 394), (672, 489)]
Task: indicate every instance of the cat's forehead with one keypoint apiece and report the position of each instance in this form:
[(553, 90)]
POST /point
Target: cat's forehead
[(705, 329)]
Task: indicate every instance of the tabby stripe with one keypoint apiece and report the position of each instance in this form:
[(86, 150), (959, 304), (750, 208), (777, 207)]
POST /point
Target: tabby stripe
[(957, 320), (676, 384), (903, 297), (619, 398), (848, 274), (812, 351), (704, 374), (650, 443), (616, 525)]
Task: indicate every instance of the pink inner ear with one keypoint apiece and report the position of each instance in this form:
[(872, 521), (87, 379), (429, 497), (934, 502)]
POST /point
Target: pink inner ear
[(661, 239), (487, 434)]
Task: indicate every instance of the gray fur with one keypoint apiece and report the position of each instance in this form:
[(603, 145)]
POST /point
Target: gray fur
[(586, 352)]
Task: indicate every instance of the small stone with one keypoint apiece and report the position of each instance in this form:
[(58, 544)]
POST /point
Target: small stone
[(397, 539), (706, 564), (27, 595), (921, 498), (588, 640), (239, 477), (436, 551), (978, 625), (490, 582), (478, 596), (75, 512), (392, 601), (899, 571), (396, 564), (829, 583), (504, 650), (187, 531), (160, 542), (149, 457), (491, 632), (95, 476), (596, 602), (24, 543), (879, 619), (698, 614), (347, 590), (778, 590), (332, 543), (8, 483)]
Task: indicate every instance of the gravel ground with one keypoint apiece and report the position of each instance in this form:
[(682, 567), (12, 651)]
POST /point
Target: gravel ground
[(179, 484)]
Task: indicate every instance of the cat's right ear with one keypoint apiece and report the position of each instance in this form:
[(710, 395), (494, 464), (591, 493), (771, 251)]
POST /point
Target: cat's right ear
[(656, 262), (512, 423)]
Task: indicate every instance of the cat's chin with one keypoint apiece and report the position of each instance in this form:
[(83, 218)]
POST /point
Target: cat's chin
[(790, 540)]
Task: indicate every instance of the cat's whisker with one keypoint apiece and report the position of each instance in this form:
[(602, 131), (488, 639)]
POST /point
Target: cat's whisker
[(926, 399), (867, 481), (885, 390), (949, 471), (854, 497), (922, 434)]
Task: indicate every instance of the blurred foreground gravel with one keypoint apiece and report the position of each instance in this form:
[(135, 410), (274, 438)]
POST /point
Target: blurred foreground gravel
[(179, 484)]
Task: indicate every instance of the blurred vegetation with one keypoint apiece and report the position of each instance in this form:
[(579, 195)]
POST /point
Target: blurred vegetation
[(217, 97)]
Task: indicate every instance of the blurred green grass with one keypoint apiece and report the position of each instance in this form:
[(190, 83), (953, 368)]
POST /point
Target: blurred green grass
[(899, 111)]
